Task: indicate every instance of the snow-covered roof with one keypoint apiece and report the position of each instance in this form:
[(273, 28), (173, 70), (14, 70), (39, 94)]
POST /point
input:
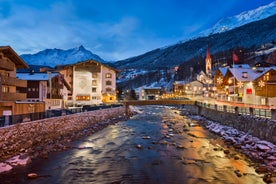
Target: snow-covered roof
[(238, 73), (241, 66), (223, 70), (180, 82), (35, 76), (151, 87)]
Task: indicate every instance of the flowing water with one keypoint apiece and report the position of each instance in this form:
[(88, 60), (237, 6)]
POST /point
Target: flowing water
[(157, 146)]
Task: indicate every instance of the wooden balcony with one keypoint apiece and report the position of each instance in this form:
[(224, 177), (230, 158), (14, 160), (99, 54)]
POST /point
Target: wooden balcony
[(5, 65), (13, 97), (11, 81)]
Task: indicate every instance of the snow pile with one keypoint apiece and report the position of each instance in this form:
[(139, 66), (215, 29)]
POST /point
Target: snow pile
[(18, 160), (258, 150), (136, 109)]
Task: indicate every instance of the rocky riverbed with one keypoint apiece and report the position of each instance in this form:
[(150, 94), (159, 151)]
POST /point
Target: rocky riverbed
[(63, 142), (260, 151)]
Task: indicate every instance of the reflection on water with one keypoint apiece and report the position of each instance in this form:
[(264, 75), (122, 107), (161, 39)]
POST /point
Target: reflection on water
[(173, 149)]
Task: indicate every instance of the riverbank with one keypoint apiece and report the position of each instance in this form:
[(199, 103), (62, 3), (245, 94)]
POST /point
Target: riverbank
[(260, 151), (22, 142)]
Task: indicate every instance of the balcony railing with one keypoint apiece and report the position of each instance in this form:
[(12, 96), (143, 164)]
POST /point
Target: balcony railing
[(13, 96), (5, 65), (11, 81)]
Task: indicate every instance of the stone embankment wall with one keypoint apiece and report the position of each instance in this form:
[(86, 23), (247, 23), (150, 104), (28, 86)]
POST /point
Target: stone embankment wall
[(262, 128), (22, 137)]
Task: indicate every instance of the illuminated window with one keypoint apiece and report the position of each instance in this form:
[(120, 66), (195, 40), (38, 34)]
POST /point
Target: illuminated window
[(83, 98), (94, 82), (5, 89), (108, 83), (266, 76), (244, 74), (94, 75), (108, 75)]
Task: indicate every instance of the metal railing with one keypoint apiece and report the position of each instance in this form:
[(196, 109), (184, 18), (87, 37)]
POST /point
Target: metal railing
[(22, 118), (253, 111)]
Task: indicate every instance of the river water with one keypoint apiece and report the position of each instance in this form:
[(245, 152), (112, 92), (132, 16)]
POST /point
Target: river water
[(156, 146)]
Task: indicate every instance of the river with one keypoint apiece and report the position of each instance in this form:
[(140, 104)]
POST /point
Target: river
[(156, 146)]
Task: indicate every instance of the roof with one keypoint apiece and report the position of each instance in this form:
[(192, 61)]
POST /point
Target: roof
[(10, 53), (35, 76), (251, 74), (223, 70), (180, 82), (241, 66), (90, 60), (150, 88)]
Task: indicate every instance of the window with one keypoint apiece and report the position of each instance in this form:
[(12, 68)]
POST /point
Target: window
[(94, 82), (94, 90), (5, 89), (108, 89), (83, 98), (108, 83), (244, 74), (108, 75), (266, 76), (94, 75)]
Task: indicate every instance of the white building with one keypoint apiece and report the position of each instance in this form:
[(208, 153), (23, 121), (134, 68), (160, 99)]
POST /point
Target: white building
[(91, 83)]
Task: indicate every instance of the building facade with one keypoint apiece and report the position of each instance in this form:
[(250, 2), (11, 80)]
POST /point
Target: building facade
[(244, 84), (90, 82), (48, 87), (12, 99)]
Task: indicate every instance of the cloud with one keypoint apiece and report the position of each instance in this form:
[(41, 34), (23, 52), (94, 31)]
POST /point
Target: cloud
[(114, 29)]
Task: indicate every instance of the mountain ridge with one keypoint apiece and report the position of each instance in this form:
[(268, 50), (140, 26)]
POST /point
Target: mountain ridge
[(54, 57), (250, 35), (245, 17)]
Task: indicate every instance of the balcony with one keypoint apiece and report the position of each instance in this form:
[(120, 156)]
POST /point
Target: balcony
[(5, 65), (11, 81), (13, 97)]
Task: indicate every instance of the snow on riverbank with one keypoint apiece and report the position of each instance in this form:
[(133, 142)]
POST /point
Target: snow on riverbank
[(18, 160), (260, 151)]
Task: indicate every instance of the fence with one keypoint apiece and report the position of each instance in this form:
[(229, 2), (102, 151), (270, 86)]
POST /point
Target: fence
[(254, 111), (21, 118)]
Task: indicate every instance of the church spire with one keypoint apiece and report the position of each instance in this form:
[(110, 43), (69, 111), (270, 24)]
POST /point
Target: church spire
[(208, 62)]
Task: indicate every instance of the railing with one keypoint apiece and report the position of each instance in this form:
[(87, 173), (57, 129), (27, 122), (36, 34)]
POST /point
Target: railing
[(5, 65), (21, 118), (13, 96), (253, 111), (11, 81)]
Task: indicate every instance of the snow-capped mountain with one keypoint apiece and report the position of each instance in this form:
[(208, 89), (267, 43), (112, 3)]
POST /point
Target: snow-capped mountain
[(243, 18), (54, 57)]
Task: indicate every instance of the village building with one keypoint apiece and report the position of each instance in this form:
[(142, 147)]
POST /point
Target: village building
[(150, 93), (246, 85), (91, 83), (179, 88), (49, 87), (12, 100)]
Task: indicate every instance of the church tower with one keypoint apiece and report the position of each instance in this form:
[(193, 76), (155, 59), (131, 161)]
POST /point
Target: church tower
[(208, 63)]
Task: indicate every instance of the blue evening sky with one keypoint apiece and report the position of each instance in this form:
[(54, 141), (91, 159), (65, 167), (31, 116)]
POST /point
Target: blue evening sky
[(112, 29)]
